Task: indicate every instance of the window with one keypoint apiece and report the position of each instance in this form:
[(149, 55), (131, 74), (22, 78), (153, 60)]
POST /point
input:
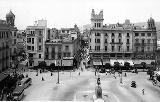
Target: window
[(112, 48), (136, 34), (119, 40), (142, 49), (68, 55), (46, 49), (40, 33), (127, 34), (32, 40), (94, 24), (90, 48), (47, 56), (28, 47), (105, 40), (148, 41), (119, 48), (28, 40), (136, 49), (137, 40), (40, 48), (39, 55), (14, 34), (97, 34), (66, 48), (127, 48), (148, 48), (142, 34), (40, 40), (112, 40), (119, 35), (105, 48), (112, 34), (59, 49), (148, 34), (97, 48), (32, 48), (59, 55), (127, 41), (53, 55), (106, 34), (90, 40), (142, 41), (98, 40), (14, 41)]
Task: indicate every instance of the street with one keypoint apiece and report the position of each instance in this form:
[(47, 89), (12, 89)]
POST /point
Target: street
[(81, 87)]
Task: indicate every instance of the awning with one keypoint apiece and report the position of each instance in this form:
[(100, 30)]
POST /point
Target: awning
[(106, 61), (121, 62), (140, 61), (129, 61), (97, 63)]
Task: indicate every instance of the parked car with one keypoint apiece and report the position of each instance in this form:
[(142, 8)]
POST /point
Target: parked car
[(18, 93), (26, 82), (133, 84)]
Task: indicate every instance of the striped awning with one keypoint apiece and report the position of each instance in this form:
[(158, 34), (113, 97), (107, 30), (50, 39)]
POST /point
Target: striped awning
[(97, 63), (140, 61)]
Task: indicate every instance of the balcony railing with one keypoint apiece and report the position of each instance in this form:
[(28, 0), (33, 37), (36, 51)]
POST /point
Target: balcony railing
[(145, 44), (116, 42)]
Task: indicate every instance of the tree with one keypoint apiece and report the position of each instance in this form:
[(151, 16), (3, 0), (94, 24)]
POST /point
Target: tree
[(42, 65), (127, 65), (52, 66), (107, 65), (143, 65), (116, 66)]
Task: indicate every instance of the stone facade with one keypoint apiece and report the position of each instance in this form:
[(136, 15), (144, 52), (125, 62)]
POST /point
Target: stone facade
[(119, 41)]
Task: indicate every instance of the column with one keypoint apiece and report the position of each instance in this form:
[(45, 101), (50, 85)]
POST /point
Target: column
[(102, 41)]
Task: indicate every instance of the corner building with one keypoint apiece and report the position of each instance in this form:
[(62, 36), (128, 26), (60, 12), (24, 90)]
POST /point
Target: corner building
[(115, 42)]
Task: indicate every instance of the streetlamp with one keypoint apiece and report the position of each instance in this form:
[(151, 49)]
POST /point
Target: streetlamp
[(58, 74)]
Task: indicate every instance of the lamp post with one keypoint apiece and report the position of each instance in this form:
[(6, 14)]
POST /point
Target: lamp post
[(58, 74)]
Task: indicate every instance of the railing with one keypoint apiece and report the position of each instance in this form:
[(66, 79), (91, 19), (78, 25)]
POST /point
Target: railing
[(145, 44), (116, 42)]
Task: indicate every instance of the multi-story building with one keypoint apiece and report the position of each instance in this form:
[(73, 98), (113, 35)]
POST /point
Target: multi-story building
[(145, 43), (115, 42), (35, 45), (64, 48), (5, 45), (109, 42)]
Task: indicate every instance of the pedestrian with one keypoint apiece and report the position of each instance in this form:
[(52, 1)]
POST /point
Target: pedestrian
[(114, 76), (42, 79), (51, 74), (37, 74), (142, 91), (79, 73), (125, 75)]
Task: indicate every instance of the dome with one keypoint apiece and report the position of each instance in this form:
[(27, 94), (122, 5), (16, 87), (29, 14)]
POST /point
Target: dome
[(10, 14)]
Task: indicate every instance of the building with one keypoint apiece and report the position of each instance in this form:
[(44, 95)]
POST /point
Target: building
[(63, 48), (145, 43), (5, 45), (117, 42), (35, 45)]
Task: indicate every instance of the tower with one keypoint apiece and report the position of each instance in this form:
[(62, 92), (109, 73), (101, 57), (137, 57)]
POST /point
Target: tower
[(10, 18), (151, 24), (97, 19)]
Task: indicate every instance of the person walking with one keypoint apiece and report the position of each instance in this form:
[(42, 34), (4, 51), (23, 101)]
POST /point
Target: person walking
[(142, 91)]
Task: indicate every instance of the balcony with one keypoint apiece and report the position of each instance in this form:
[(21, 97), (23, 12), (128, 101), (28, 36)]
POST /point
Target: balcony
[(145, 44), (116, 42)]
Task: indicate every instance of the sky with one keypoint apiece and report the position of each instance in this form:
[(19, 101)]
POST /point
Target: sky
[(66, 13)]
